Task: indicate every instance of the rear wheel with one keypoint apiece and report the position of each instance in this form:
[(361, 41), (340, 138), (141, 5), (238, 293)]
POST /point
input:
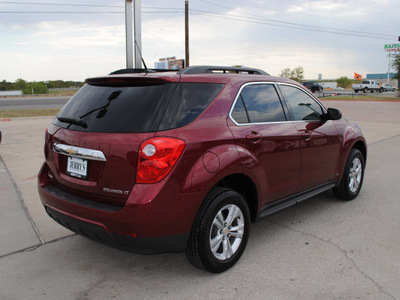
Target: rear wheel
[(353, 175), (365, 90), (220, 231)]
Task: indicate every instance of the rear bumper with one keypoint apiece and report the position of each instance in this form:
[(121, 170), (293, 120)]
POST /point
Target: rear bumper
[(176, 243), (155, 218)]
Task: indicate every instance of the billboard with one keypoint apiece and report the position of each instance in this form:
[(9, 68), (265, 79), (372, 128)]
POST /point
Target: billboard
[(392, 47)]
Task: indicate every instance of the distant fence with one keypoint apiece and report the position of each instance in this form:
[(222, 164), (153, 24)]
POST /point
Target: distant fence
[(10, 93)]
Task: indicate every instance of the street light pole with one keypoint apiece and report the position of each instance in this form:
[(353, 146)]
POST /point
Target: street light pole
[(388, 78), (133, 33), (129, 33), (137, 12)]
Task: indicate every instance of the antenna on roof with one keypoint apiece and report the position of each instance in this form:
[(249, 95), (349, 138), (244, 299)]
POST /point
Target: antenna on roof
[(141, 57)]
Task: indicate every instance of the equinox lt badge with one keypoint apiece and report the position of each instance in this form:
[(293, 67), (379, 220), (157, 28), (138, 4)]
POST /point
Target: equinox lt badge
[(120, 192)]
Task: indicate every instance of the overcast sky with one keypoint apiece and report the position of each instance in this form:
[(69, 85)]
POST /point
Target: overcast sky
[(334, 38)]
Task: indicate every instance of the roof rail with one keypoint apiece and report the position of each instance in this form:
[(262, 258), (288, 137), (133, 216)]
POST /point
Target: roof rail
[(219, 69), (133, 71)]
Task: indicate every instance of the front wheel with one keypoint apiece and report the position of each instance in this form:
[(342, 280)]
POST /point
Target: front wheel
[(353, 175), (220, 232)]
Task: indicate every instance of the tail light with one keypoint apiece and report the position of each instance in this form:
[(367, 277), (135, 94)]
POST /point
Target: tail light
[(157, 157)]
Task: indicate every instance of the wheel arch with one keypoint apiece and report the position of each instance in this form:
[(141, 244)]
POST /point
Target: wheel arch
[(244, 186), (360, 145)]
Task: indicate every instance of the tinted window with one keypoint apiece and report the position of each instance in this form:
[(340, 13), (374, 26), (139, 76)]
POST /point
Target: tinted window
[(115, 109), (258, 103), (188, 102), (239, 113), (301, 105)]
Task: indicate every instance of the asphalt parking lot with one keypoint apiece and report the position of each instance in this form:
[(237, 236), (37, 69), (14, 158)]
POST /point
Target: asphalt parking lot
[(320, 249)]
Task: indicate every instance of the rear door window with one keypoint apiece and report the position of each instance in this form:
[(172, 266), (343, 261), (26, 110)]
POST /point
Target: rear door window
[(258, 103)]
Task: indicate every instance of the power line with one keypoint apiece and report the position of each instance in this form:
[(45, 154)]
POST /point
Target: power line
[(84, 5), (210, 2), (256, 19), (86, 12), (300, 26), (61, 12), (297, 25), (58, 4)]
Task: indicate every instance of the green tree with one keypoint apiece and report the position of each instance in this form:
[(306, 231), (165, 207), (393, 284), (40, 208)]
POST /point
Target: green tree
[(344, 82), (396, 66), (286, 73), (5, 85), (35, 88), (20, 84), (296, 74)]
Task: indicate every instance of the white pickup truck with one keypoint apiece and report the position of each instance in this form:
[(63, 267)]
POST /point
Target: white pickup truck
[(367, 86)]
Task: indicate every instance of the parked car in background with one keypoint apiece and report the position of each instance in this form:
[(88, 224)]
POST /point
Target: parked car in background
[(185, 161), (367, 86), (388, 87), (313, 86)]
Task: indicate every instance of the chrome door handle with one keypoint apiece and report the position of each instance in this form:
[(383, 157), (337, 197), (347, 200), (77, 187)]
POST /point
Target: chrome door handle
[(254, 136)]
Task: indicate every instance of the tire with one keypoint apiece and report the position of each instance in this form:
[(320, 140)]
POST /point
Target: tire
[(365, 90), (353, 176), (215, 246), (356, 91), (381, 90)]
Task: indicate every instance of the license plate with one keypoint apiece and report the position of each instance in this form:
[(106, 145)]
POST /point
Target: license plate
[(77, 167)]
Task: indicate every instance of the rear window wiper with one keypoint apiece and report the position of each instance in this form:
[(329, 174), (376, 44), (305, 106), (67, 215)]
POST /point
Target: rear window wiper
[(74, 121)]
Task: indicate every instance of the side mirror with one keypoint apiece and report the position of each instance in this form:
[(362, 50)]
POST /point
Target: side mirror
[(333, 114)]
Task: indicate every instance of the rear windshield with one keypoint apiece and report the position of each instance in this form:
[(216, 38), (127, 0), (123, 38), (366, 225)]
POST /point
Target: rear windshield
[(136, 109)]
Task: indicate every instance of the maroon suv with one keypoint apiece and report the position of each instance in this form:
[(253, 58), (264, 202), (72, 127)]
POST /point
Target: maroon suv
[(185, 161)]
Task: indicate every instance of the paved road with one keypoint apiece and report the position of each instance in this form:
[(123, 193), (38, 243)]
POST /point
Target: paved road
[(32, 103), (320, 249)]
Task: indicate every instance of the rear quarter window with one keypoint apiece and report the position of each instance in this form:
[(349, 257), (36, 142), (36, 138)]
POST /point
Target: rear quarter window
[(187, 103)]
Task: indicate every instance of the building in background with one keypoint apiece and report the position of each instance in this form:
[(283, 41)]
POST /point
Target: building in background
[(383, 78), (169, 63)]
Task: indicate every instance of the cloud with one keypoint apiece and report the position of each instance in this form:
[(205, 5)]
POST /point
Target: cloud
[(67, 35), (70, 46)]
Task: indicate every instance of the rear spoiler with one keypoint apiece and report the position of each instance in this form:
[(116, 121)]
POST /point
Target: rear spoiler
[(130, 80)]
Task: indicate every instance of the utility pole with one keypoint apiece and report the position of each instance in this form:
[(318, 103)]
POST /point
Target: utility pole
[(133, 33), (186, 33), (137, 12), (388, 78), (129, 33)]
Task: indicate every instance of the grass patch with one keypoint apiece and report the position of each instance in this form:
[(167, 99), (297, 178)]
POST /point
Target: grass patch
[(21, 113), (62, 93)]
